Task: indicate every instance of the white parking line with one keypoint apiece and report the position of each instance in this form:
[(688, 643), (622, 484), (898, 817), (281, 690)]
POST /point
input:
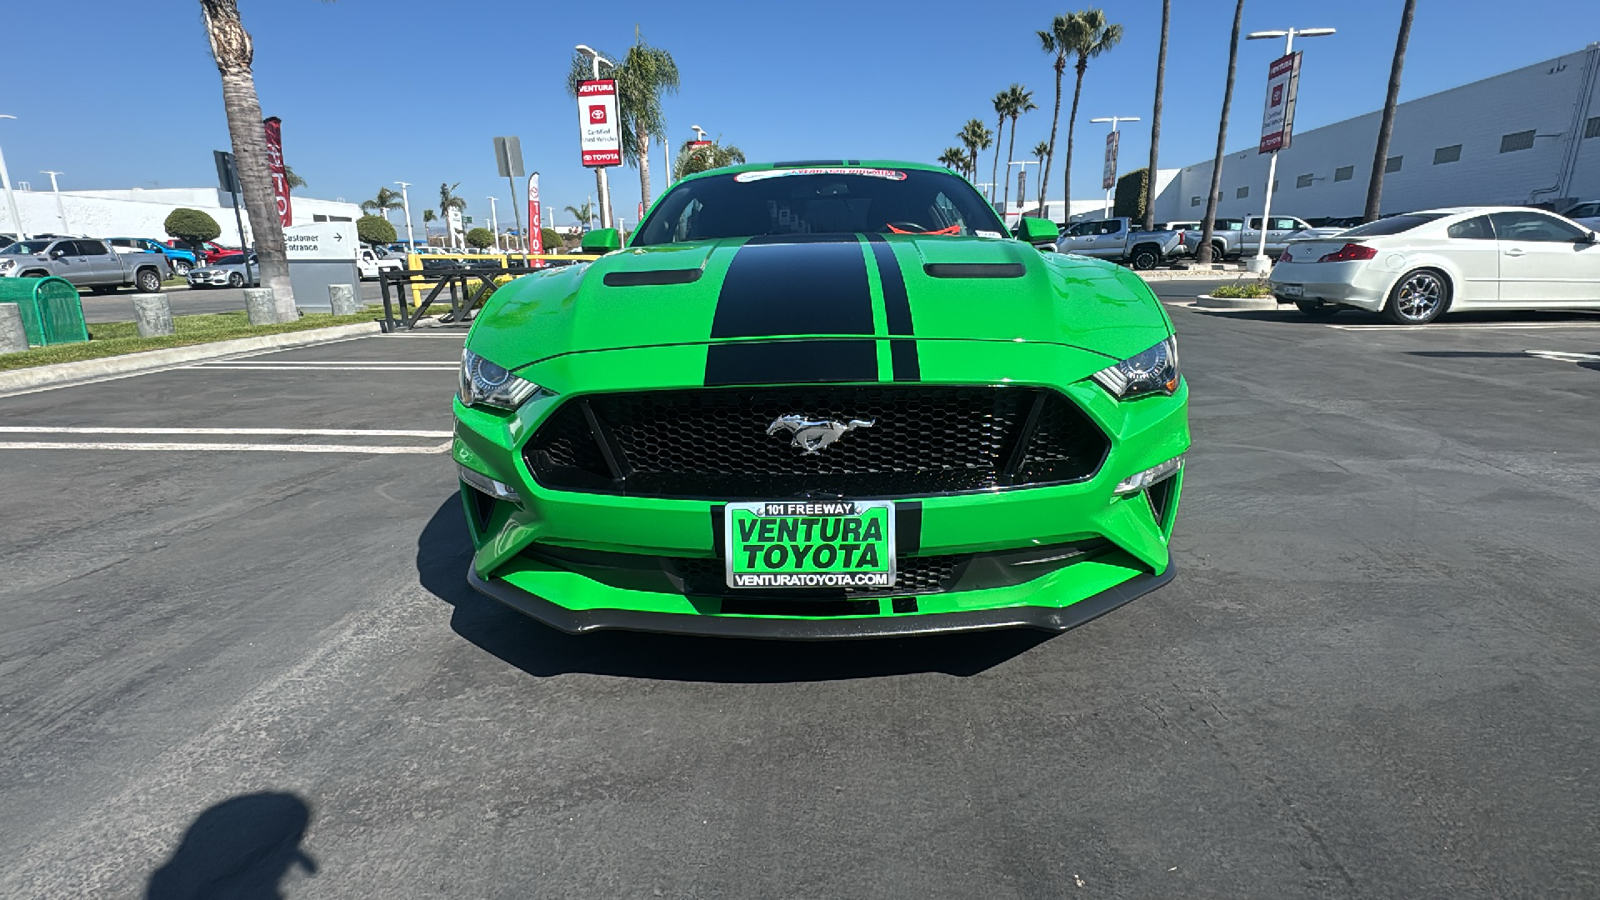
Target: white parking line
[(178, 447), (1470, 326), (333, 362), (1563, 356), (288, 367), (319, 432)]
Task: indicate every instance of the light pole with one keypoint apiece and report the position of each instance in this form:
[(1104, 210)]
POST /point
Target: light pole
[(56, 189), (405, 206), (600, 171), (11, 199), (1260, 263), (1114, 120), (1021, 200), (494, 223)]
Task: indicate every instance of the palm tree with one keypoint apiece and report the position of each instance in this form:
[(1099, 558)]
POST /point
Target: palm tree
[(1086, 35), (1041, 152), (1018, 101), (644, 75), (953, 158), (295, 181), (448, 201), (1380, 156), (701, 159), (975, 136), (1202, 254), (1002, 108), (1056, 41), (428, 217), (234, 52), (381, 204), (1155, 117), (584, 214)]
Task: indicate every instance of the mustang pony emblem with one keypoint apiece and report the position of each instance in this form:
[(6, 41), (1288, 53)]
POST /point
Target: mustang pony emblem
[(812, 435)]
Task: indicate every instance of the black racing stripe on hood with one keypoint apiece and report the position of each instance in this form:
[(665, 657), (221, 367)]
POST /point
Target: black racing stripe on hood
[(903, 358), (779, 287), (896, 304), (791, 362)]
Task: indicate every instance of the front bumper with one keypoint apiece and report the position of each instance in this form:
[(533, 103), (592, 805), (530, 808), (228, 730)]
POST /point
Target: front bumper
[(524, 546)]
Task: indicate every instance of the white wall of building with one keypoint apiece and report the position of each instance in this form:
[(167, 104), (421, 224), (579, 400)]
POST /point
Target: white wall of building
[(1557, 99), (142, 213)]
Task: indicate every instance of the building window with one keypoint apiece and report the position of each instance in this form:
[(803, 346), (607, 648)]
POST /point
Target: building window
[(1345, 173), (317, 217), (1448, 154), (1304, 181), (1511, 143), (1592, 127), (1242, 193), (1274, 185), (1392, 164), (1194, 201)]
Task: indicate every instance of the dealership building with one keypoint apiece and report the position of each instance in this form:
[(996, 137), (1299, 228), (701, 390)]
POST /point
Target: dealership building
[(1530, 136), (138, 212)]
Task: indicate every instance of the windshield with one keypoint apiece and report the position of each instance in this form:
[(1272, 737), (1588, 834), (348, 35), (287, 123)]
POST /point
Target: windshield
[(1391, 225), (26, 248), (232, 259), (824, 200)]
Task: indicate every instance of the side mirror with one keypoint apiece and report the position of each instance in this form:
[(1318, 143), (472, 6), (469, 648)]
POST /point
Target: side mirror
[(57, 253), (1037, 231), (603, 240), (1590, 237)]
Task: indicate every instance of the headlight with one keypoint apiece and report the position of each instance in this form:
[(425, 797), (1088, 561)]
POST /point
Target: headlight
[(1155, 371), (484, 382), (6, 264)]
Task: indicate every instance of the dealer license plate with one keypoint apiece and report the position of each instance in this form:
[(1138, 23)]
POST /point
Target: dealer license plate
[(810, 544), (1292, 290)]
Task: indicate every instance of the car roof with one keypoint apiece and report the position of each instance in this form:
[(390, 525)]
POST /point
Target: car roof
[(819, 164)]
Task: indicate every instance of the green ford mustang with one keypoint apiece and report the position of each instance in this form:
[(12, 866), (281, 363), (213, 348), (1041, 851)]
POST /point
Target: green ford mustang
[(822, 400)]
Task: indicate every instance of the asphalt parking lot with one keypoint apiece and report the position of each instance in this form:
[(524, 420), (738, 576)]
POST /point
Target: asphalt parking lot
[(236, 640)]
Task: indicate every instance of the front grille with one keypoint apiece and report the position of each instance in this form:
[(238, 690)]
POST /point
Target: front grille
[(913, 575), (713, 443)]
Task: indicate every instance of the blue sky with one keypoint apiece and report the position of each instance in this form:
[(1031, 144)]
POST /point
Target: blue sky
[(370, 91)]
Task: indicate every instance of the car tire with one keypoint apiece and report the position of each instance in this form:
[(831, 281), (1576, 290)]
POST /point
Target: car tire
[(1419, 297), (181, 267), (1145, 258), (147, 281), (235, 280), (1316, 309)]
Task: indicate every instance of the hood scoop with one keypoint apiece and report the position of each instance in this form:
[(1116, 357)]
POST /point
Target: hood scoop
[(648, 277)]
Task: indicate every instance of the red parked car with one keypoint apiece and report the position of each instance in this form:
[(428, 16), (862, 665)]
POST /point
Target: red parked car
[(210, 252)]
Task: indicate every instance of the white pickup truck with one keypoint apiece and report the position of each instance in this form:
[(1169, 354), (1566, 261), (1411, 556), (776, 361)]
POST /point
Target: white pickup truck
[(371, 261)]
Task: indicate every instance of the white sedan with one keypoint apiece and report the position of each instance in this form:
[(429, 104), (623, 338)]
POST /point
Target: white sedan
[(1416, 266)]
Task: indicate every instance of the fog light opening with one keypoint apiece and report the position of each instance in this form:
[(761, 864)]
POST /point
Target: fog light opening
[(496, 489), (1133, 484)]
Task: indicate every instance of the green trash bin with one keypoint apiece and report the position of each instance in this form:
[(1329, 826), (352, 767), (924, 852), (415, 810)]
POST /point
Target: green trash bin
[(52, 311)]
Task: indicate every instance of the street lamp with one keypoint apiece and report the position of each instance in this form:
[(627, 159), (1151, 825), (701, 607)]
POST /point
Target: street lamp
[(1113, 120), (600, 171), (405, 206), (11, 199), (1260, 263), (56, 189)]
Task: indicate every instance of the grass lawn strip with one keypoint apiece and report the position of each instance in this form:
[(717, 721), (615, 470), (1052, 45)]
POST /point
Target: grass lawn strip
[(119, 338)]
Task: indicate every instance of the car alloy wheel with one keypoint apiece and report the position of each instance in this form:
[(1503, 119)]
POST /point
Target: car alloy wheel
[(1145, 260), (235, 280), (1418, 299), (181, 266), (149, 282)]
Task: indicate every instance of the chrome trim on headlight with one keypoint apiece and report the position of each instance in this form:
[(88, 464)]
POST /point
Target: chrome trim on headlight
[(486, 383), (1150, 477), (1155, 371)]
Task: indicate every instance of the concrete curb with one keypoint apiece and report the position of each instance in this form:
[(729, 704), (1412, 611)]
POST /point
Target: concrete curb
[(1206, 301), (1198, 274), (150, 360)]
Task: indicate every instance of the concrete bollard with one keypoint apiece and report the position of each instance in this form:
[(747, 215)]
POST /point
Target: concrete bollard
[(13, 336), (152, 315), (259, 304), (342, 297)]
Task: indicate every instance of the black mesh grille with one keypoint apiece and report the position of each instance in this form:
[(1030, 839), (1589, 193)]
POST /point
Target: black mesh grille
[(714, 444)]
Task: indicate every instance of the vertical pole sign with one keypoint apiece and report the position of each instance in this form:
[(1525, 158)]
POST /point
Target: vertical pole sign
[(1277, 123), (535, 223), (280, 179), (600, 134), (228, 180), (508, 157), (1108, 179), (1022, 183)]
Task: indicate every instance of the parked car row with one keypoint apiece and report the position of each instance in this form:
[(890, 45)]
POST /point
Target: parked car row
[(86, 262)]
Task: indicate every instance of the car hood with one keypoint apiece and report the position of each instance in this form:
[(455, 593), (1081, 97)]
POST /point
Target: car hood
[(856, 287)]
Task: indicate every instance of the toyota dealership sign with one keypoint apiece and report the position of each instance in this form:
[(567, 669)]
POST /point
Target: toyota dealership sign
[(1277, 122), (597, 123)]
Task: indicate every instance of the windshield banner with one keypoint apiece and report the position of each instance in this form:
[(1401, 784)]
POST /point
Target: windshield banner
[(746, 177)]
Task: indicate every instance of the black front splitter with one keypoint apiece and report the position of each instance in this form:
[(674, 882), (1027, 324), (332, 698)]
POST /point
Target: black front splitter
[(820, 629)]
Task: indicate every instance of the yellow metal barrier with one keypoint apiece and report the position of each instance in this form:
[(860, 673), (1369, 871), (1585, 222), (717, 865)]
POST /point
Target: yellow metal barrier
[(414, 262)]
